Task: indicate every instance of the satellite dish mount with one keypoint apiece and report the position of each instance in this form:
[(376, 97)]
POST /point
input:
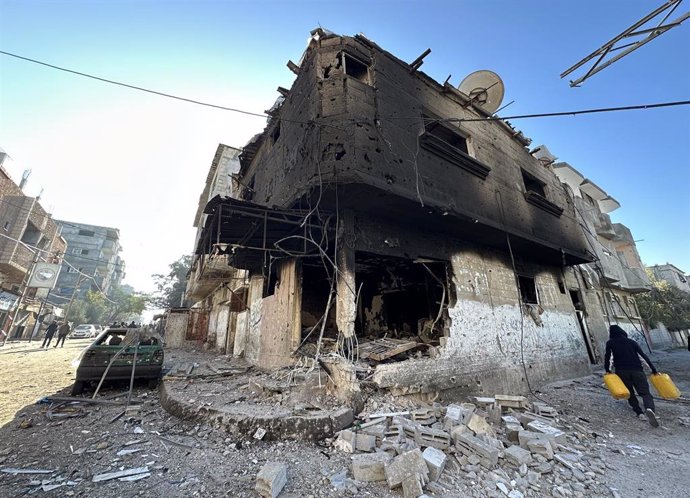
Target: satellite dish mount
[(485, 89)]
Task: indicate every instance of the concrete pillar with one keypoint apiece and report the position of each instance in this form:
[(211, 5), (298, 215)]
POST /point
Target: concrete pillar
[(346, 305)]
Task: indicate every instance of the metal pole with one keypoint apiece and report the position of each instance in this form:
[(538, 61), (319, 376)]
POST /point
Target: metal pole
[(40, 309), (74, 292)]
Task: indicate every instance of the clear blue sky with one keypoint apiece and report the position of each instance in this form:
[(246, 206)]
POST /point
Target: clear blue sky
[(111, 156)]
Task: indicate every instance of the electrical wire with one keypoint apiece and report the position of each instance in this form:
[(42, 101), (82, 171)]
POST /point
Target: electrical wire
[(264, 115)]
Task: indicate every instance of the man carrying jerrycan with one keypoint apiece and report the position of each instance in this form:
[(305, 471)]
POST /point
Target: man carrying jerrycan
[(626, 361)]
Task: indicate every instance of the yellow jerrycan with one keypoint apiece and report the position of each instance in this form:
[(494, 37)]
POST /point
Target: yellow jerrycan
[(664, 386), (615, 386)]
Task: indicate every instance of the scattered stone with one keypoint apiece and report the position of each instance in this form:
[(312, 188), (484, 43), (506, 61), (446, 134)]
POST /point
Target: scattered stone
[(479, 425), (435, 461), (271, 479), (405, 465), (431, 437), (541, 447), (260, 433), (551, 431), (507, 401), (468, 445), (413, 486), (518, 456), (122, 473), (370, 467)]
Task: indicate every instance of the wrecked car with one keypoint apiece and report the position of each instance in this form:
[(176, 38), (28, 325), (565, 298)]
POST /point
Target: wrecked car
[(118, 345)]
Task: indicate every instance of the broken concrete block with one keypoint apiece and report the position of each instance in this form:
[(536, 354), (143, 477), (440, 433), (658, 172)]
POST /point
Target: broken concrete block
[(479, 425), (460, 429), (377, 430), (509, 419), (512, 431), (436, 461), (549, 430), (527, 417), (370, 467), (484, 401), (405, 465), (494, 412), (541, 447), (271, 479), (544, 410), (455, 413), (365, 442), (469, 445), (413, 486), (508, 401), (517, 456), (432, 437), (346, 441), (424, 416)]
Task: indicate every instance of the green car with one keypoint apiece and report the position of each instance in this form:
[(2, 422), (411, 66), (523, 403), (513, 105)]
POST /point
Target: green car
[(95, 358)]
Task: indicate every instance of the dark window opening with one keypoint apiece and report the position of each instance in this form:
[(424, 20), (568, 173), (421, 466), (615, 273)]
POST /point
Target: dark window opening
[(248, 192), (31, 234), (528, 290), (575, 296), (561, 286), (275, 134), (356, 68), (87, 233), (449, 136), (532, 184)]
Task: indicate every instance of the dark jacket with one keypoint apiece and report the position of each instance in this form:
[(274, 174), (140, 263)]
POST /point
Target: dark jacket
[(51, 329), (626, 352)]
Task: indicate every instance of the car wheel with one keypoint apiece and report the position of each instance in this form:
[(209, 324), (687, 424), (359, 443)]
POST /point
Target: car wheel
[(78, 387)]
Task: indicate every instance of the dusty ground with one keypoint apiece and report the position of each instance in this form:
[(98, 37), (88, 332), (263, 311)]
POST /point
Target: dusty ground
[(28, 372), (195, 460)]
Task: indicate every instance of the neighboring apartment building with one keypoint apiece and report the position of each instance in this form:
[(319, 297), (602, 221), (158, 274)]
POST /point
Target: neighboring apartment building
[(214, 289), (673, 275), (603, 292), (27, 234), (95, 252), (442, 234)]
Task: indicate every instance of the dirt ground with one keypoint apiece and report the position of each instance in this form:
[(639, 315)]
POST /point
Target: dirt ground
[(28, 372), (186, 459)]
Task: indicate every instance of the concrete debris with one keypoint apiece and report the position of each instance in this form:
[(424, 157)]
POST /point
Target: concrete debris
[(260, 433), (370, 466), (494, 442), (436, 461), (408, 464), (122, 473), (271, 479), (13, 471)]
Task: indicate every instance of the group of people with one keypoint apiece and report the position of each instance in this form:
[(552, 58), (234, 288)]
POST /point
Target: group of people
[(62, 329)]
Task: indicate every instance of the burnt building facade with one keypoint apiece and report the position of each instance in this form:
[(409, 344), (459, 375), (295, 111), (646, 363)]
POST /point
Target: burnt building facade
[(383, 216)]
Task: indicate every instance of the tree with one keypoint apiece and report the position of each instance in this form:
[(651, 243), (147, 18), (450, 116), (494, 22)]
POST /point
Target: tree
[(171, 287), (119, 305), (665, 304)]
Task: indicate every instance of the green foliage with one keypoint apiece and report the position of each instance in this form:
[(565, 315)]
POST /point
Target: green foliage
[(120, 305), (665, 304), (171, 287)]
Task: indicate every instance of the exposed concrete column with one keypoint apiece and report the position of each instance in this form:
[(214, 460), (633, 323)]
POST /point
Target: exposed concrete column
[(346, 305), (290, 277)]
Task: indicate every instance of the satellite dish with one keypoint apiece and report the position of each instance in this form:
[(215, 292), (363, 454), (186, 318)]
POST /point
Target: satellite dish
[(485, 88)]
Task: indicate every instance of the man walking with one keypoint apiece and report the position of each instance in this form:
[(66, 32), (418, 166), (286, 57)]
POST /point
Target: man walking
[(626, 361), (50, 331), (63, 330)]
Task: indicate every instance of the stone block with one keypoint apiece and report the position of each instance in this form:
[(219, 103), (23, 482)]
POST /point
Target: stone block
[(544, 410), (541, 447), (413, 486), (408, 464), (431, 437), (423, 416), (484, 401), (479, 425), (527, 417), (346, 441), (517, 456), (542, 428), (509, 419), (370, 467), (435, 461), (365, 442), (512, 432), (508, 401), (455, 413), (271, 479), (469, 445)]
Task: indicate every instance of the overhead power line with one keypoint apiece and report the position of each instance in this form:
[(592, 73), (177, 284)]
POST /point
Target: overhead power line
[(263, 115), (134, 87)]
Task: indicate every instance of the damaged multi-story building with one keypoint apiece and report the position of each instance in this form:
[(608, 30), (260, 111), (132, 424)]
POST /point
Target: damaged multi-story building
[(390, 220)]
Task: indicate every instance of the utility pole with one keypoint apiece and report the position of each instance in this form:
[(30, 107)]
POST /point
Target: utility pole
[(74, 292)]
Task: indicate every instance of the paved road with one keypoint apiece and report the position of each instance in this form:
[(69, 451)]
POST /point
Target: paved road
[(27, 372)]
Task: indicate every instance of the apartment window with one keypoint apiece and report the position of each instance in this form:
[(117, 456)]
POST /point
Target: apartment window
[(535, 194), (451, 145), (80, 251), (532, 184), (355, 68), (87, 233), (71, 270), (528, 289)]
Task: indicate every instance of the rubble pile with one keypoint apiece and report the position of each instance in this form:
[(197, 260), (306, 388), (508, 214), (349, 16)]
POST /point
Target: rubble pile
[(499, 446)]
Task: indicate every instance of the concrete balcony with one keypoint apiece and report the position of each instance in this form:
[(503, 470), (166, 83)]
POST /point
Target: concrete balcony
[(207, 274), (15, 260), (604, 227)]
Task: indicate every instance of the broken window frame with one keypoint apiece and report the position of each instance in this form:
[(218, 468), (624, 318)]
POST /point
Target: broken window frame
[(523, 280), (434, 140), (537, 196), (344, 56)]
